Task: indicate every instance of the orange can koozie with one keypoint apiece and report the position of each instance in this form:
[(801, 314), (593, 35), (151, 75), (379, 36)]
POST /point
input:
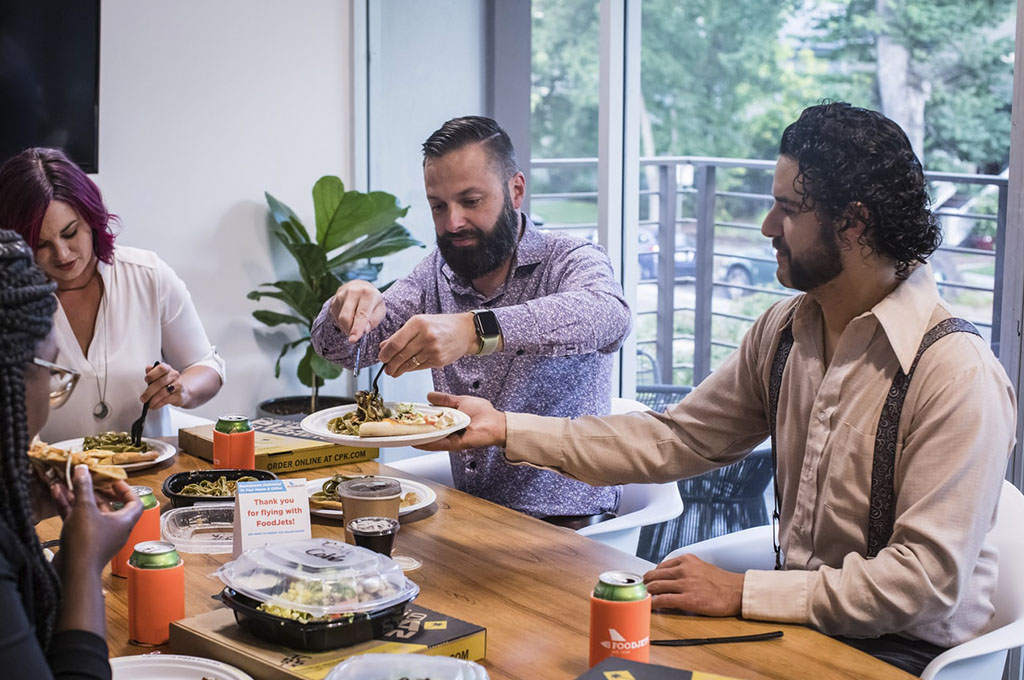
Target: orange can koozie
[(146, 529), (620, 618), (234, 443), (156, 592)]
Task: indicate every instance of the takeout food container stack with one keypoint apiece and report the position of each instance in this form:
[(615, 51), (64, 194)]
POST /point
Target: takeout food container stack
[(315, 594)]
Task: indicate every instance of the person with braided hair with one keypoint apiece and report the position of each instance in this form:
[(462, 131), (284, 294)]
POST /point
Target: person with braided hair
[(125, 321), (54, 619)]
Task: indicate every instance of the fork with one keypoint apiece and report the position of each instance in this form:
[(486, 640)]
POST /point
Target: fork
[(375, 391), (141, 422)]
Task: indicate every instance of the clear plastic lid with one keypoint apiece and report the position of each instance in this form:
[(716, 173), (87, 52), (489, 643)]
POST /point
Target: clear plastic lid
[(319, 576), (406, 667), (204, 529)]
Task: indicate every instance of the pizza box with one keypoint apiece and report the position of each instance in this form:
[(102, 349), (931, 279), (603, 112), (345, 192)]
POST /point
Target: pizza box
[(215, 635), (614, 668), (281, 446)]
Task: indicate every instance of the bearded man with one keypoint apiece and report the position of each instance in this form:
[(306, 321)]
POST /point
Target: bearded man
[(891, 421), (528, 320)]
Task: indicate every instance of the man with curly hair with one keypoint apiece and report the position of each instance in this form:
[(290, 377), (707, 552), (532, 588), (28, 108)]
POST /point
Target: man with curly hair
[(891, 421)]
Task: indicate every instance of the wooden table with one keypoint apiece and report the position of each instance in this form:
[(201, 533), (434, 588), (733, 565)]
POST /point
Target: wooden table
[(528, 583)]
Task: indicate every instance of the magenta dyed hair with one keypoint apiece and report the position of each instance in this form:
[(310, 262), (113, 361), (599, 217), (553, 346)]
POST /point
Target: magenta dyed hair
[(33, 178)]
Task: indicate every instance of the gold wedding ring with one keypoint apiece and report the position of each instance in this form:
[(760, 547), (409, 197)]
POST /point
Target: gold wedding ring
[(416, 361)]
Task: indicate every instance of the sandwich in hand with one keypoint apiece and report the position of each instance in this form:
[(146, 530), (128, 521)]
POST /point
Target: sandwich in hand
[(49, 458)]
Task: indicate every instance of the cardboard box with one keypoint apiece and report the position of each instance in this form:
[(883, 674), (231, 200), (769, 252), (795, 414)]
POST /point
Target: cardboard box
[(614, 668), (281, 446), (423, 631)]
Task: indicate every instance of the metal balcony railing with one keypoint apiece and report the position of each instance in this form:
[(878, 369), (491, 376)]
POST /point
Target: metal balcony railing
[(683, 201)]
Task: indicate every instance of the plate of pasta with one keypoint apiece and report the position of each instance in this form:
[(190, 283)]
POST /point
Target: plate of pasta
[(376, 423), (123, 454)]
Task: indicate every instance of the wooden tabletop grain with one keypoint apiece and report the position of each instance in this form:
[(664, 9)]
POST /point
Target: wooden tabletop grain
[(528, 583)]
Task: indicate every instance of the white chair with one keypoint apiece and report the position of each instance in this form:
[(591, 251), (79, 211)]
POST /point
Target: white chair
[(641, 504), (180, 419), (621, 405), (433, 466), (983, 657)]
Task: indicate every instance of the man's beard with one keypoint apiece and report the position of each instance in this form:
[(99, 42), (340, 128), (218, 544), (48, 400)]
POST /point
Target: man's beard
[(815, 268), (492, 249)]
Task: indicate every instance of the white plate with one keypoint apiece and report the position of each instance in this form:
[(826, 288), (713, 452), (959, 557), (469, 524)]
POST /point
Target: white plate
[(161, 447), (317, 424), (425, 493), (173, 667)]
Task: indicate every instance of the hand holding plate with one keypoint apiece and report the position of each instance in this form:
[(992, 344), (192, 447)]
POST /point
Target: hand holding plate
[(486, 427)]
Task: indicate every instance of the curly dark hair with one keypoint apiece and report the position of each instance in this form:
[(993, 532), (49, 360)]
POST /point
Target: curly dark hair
[(847, 155), (27, 305)]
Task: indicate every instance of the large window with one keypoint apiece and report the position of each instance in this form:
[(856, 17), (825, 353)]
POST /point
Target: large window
[(717, 89)]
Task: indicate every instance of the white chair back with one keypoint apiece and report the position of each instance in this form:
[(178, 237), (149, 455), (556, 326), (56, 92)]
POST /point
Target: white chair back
[(984, 657)]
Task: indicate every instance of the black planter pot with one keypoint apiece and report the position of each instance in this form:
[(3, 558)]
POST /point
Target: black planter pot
[(297, 408)]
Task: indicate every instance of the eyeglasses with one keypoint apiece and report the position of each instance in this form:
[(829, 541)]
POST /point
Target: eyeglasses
[(62, 381)]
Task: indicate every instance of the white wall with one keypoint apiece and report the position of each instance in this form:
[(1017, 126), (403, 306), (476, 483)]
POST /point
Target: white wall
[(203, 106), (426, 66)]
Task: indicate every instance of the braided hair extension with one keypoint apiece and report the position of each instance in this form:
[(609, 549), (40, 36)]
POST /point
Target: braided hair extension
[(27, 305)]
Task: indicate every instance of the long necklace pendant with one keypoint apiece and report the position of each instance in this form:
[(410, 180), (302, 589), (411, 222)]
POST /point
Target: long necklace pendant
[(101, 411)]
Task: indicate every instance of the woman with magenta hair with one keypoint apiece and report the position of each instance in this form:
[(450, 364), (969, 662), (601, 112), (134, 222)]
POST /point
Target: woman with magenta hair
[(124, 321)]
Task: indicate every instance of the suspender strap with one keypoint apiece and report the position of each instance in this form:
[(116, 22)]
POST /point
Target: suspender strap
[(882, 510), (881, 514), (774, 385)]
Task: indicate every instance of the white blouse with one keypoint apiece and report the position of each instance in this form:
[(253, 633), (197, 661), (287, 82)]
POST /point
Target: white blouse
[(146, 315)]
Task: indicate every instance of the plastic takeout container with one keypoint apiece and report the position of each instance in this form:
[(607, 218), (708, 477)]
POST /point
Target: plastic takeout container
[(204, 528), (406, 667), (315, 594), (173, 485), (315, 636), (318, 576)]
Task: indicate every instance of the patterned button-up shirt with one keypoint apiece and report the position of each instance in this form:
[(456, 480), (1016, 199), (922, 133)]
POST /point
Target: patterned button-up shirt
[(562, 317)]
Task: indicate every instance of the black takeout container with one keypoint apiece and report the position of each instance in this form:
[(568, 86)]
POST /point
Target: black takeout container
[(316, 636), (179, 480)]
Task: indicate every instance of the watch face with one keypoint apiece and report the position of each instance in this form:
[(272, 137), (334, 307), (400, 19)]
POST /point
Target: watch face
[(486, 323)]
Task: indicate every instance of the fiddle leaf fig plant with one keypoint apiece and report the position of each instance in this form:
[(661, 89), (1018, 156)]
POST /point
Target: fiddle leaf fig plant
[(352, 228)]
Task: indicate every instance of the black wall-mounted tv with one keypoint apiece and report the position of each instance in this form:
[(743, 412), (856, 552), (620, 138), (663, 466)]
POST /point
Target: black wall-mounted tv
[(49, 77)]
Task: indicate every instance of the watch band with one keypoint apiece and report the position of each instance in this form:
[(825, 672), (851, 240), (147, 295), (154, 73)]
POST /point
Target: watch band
[(488, 341)]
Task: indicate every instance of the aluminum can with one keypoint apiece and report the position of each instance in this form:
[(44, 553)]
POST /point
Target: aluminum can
[(620, 618), (156, 592), (232, 424), (620, 586), (147, 497), (234, 443), (146, 529)]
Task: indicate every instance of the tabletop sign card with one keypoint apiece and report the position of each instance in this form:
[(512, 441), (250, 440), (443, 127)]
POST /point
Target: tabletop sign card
[(271, 511)]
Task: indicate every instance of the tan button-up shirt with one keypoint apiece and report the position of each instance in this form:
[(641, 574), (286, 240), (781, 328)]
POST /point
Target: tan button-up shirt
[(935, 579)]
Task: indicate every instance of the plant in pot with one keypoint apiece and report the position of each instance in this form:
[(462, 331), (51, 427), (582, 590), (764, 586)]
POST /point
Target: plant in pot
[(352, 228)]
